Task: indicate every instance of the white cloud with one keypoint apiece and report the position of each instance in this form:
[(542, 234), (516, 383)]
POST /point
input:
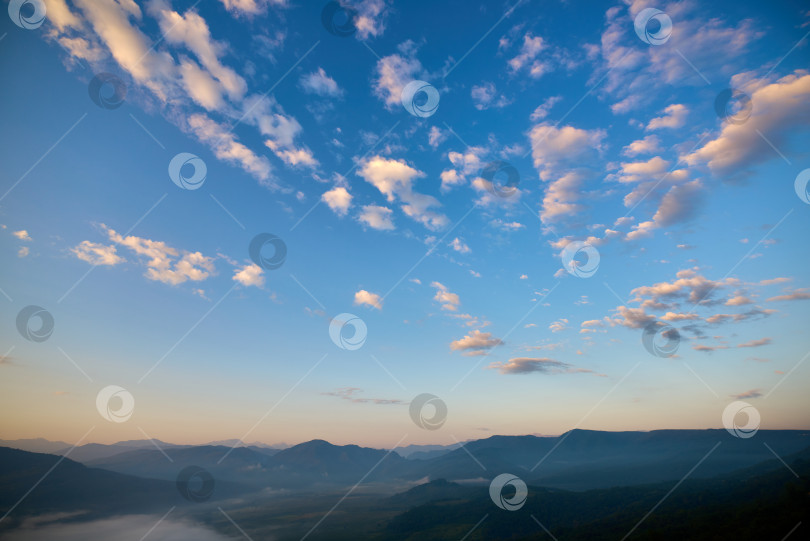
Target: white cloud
[(477, 341), (370, 20), (393, 73), (250, 275), (449, 301), (394, 179), (280, 129), (319, 83), (339, 200), (251, 7), (228, 149), (559, 325), (436, 137), (23, 252), (192, 31), (543, 365), (459, 246), (780, 109), (635, 75), (165, 263), (22, 235), (97, 254), (544, 108), (561, 196), (507, 226), (484, 95), (674, 117), (649, 145), (554, 146), (363, 297), (465, 164), (376, 217), (298, 156), (532, 45)]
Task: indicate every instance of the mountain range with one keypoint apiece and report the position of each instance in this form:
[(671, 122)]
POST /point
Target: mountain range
[(588, 485), (576, 460)]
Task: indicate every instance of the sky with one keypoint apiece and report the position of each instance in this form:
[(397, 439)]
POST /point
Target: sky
[(280, 221)]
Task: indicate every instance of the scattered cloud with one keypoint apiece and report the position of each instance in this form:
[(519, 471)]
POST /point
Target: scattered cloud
[(756, 343), (350, 394), (394, 179), (527, 58), (543, 110), (779, 109), (486, 95), (650, 144), (797, 295), (97, 254), (674, 117), (753, 393), (250, 275), (338, 199), (559, 325), (542, 365), (459, 246), (376, 217), (364, 298), (320, 84), (475, 343), (449, 301)]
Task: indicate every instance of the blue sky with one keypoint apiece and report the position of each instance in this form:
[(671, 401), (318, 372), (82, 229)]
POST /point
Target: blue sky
[(388, 216)]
